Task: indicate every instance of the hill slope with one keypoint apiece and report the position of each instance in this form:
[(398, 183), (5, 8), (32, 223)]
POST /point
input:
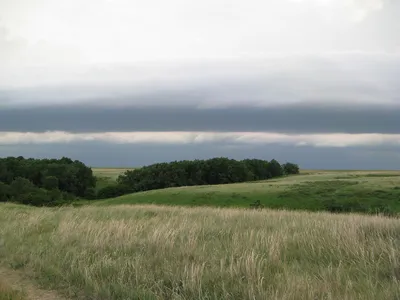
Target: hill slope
[(309, 191)]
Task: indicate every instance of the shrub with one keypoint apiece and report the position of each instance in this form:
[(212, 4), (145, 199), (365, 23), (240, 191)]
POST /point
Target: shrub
[(21, 186), (113, 191), (256, 205), (5, 192), (37, 197), (290, 168), (335, 206)]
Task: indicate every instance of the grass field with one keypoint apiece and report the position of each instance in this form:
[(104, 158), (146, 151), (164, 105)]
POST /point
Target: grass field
[(304, 192), (155, 252), (9, 293), (111, 173), (112, 250), (107, 176)]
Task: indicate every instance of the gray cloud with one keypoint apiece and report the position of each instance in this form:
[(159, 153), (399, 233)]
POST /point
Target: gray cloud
[(189, 137), (295, 118), (343, 93), (118, 155), (337, 71), (352, 93), (343, 76)]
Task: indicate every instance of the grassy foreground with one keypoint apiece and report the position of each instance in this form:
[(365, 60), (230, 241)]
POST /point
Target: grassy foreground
[(150, 252), (8, 293)]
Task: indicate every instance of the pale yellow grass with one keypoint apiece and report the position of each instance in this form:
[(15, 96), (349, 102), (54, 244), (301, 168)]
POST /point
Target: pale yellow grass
[(7, 292), (110, 172), (14, 285), (150, 252)]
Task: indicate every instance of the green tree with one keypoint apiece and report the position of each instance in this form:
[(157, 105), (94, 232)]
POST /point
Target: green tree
[(26, 177), (290, 168), (50, 183), (220, 170), (4, 192), (21, 186), (275, 168)]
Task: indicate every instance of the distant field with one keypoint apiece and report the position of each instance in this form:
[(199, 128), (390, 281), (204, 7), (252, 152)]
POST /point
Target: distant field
[(304, 192), (112, 173), (107, 176), (150, 252)]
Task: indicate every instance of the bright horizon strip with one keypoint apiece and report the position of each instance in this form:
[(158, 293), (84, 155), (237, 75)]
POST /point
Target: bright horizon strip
[(183, 137)]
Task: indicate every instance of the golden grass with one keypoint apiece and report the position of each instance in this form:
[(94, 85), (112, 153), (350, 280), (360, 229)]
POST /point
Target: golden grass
[(109, 172), (151, 252), (8, 293)]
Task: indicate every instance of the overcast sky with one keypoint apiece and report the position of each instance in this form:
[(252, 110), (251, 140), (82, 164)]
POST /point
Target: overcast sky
[(128, 83)]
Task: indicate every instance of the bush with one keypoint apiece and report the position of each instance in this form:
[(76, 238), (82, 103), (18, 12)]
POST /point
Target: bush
[(5, 192), (290, 168), (37, 197), (90, 194), (356, 206), (113, 191), (256, 205), (21, 186)]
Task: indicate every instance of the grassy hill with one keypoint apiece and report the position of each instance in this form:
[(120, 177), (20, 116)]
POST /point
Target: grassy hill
[(112, 250), (155, 252), (311, 190)]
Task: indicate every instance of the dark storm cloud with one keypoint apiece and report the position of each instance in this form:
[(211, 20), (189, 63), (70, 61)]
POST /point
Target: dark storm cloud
[(300, 118), (350, 93), (98, 154)]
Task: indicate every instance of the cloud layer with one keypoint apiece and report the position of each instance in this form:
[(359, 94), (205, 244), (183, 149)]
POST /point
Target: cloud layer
[(284, 119), (155, 30), (312, 81), (231, 138)]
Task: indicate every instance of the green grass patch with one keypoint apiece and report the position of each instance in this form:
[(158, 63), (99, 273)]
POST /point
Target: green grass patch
[(107, 176), (102, 182), (365, 192)]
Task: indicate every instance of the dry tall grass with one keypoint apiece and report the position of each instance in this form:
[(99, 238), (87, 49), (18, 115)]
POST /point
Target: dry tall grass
[(8, 293), (149, 252)]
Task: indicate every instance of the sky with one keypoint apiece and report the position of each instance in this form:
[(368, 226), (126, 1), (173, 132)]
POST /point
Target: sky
[(124, 83)]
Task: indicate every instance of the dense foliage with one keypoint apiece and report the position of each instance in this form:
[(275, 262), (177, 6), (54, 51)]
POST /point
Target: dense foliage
[(197, 172), (44, 181)]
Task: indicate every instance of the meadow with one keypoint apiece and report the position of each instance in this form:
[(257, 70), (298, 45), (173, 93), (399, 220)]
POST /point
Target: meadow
[(9, 293), (204, 242), (311, 190), (156, 252)]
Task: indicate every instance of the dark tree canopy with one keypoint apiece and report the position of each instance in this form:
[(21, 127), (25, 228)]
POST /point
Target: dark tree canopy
[(56, 181), (197, 172), (290, 168), (43, 181)]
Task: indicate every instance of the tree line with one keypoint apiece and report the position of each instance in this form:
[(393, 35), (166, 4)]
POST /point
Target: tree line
[(45, 181), (196, 172), (50, 182)]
